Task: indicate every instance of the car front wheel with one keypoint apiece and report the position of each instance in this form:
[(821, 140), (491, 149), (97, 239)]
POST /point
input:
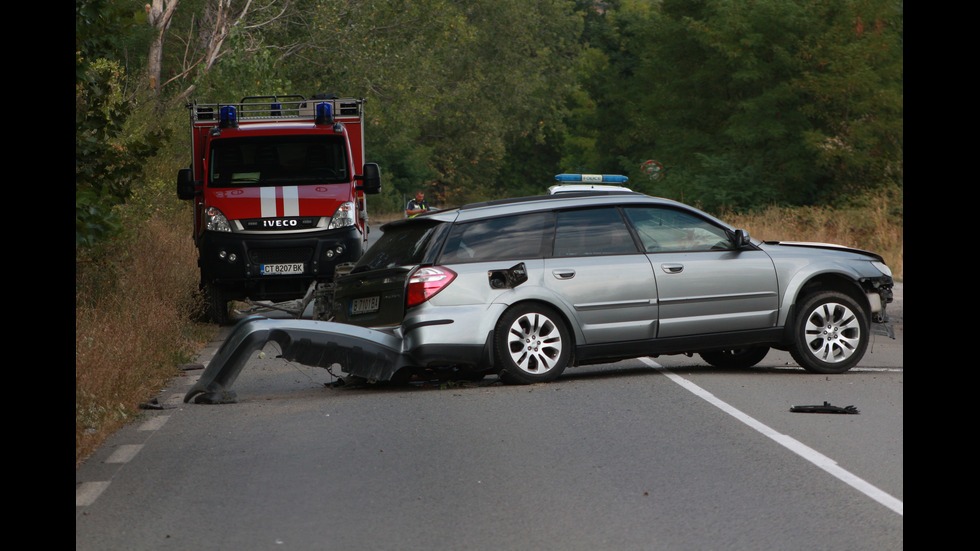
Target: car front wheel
[(532, 344), (831, 333)]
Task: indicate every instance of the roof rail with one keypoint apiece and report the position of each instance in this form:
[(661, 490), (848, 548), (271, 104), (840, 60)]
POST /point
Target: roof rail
[(276, 108)]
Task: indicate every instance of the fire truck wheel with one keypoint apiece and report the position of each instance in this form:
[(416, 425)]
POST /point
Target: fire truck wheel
[(216, 305)]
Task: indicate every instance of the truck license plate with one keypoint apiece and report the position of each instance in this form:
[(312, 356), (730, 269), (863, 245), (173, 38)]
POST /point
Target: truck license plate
[(364, 305), (281, 269)]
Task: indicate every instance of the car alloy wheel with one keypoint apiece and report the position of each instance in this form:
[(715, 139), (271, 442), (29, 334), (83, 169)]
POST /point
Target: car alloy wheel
[(831, 334), (532, 344)]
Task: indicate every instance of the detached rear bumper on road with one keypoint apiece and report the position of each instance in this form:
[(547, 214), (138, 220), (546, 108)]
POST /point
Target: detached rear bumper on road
[(360, 352)]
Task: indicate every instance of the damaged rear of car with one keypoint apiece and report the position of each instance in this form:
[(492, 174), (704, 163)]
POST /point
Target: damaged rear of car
[(525, 288)]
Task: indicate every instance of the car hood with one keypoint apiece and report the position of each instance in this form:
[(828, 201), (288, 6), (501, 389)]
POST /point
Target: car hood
[(774, 246)]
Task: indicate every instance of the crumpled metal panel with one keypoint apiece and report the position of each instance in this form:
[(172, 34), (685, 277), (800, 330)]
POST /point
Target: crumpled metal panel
[(361, 352)]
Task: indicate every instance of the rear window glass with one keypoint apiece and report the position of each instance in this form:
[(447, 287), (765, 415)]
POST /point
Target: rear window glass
[(510, 237), (399, 245), (592, 232)]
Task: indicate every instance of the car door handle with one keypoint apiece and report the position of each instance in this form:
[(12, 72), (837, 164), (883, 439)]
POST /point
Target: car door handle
[(563, 274), (672, 268)]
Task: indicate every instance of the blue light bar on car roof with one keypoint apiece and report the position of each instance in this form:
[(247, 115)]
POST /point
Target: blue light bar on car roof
[(592, 178)]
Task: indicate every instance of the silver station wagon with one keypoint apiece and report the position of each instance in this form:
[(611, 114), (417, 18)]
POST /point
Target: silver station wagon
[(526, 287)]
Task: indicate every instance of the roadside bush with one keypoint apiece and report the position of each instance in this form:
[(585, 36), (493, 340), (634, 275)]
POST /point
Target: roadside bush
[(134, 299)]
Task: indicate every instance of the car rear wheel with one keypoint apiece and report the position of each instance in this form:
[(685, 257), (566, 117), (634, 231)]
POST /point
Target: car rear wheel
[(531, 344), (831, 333), (736, 358)]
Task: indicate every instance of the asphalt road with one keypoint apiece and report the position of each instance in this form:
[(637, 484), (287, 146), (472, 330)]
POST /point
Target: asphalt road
[(655, 453)]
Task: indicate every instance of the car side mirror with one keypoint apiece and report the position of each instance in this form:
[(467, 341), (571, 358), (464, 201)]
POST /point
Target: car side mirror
[(740, 239), (186, 186), (371, 178)]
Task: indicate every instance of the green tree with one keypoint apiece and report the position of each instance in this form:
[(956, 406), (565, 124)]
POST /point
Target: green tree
[(457, 89), (852, 81), (107, 157), (504, 80), (725, 94), (389, 52)]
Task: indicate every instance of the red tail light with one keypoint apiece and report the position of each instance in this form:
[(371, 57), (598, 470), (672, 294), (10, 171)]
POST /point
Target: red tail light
[(425, 282)]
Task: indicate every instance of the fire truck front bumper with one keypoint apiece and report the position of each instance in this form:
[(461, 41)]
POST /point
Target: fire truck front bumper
[(274, 266), (361, 352)]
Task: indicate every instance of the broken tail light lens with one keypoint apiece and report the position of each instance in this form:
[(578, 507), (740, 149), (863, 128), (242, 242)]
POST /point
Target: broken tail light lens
[(425, 282)]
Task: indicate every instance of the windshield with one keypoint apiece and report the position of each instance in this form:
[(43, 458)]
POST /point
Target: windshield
[(278, 160)]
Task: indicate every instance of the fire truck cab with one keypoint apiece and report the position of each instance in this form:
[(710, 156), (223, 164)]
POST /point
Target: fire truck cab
[(278, 186)]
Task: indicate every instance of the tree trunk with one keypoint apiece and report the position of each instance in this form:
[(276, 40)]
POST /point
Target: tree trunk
[(159, 13)]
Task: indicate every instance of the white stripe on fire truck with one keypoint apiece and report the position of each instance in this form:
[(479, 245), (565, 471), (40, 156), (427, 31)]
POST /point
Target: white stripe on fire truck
[(267, 196), (269, 201), (290, 201)]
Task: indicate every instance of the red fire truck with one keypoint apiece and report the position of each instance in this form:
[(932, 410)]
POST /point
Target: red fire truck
[(278, 185)]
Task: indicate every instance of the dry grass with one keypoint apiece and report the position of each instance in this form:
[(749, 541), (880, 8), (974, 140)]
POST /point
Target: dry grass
[(875, 226), (132, 327)]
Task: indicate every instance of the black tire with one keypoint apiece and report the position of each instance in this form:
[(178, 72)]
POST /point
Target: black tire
[(403, 376), (532, 344), (736, 358), (830, 333), (216, 305)]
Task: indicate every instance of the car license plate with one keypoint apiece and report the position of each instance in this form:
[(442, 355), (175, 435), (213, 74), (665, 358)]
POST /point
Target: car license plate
[(281, 269), (364, 305)]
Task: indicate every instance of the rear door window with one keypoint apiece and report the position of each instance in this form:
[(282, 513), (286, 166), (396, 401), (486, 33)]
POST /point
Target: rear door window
[(505, 238), (592, 232)]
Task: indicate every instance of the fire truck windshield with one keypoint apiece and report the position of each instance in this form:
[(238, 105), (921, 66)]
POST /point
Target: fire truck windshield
[(278, 160)]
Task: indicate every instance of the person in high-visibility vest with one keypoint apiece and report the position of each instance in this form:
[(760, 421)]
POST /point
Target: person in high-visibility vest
[(416, 206)]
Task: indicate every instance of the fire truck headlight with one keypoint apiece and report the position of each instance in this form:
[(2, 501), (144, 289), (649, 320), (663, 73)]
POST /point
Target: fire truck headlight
[(215, 220), (344, 216)]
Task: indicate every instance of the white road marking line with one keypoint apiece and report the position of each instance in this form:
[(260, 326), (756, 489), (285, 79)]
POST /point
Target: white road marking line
[(154, 423), (124, 453), (790, 443), (88, 492)]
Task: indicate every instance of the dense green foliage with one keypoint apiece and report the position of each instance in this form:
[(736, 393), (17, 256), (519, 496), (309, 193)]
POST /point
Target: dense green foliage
[(745, 103), (107, 157), (754, 103)]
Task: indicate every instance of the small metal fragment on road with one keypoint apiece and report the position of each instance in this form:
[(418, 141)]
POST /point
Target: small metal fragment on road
[(825, 408), (154, 404)]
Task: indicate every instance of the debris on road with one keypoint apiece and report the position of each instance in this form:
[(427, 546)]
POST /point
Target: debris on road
[(825, 408)]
